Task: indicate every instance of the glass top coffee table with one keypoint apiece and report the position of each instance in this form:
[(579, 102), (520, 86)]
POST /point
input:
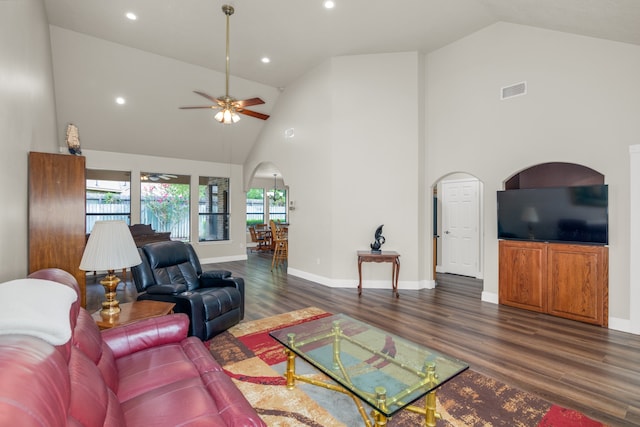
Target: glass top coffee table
[(369, 364)]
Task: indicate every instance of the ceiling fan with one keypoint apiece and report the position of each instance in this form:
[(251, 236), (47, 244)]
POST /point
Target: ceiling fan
[(229, 106), (157, 176)]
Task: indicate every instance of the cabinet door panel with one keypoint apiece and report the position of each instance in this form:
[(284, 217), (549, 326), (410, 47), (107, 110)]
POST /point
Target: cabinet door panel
[(576, 279), (522, 279), (57, 213)]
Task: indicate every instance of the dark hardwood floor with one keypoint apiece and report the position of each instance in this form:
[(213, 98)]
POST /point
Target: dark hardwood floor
[(594, 370)]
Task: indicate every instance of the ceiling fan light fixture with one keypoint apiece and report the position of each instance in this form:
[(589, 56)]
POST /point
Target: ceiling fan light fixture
[(227, 116)]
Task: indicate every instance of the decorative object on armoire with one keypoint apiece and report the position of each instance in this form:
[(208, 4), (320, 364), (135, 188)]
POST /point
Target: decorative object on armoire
[(375, 246), (73, 140), (110, 247)]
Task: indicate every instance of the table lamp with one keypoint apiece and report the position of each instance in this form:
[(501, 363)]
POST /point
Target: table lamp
[(110, 247)]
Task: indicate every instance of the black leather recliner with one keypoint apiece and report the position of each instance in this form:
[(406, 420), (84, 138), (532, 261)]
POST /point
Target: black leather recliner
[(171, 272)]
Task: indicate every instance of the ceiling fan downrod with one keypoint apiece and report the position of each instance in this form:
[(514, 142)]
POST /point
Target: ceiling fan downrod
[(228, 11)]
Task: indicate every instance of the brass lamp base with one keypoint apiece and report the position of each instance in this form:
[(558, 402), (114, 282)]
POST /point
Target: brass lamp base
[(110, 307)]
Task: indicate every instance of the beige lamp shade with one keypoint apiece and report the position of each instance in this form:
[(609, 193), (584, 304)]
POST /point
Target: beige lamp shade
[(110, 247)]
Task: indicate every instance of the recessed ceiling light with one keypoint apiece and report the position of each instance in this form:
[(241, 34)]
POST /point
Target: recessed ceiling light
[(329, 4), (265, 60), (131, 16), (120, 100)]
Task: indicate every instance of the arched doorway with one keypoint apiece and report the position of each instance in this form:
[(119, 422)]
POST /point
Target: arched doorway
[(267, 199), (457, 225)]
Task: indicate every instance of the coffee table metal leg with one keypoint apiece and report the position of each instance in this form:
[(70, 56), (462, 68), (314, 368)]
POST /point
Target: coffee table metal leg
[(291, 369), (431, 416), (381, 397), (430, 406)]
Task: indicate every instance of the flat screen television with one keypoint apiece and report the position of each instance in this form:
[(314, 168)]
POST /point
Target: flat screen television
[(558, 214)]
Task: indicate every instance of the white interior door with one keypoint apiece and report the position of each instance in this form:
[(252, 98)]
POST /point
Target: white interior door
[(460, 227)]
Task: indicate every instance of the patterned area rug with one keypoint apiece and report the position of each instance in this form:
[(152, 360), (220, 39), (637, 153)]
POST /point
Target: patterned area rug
[(256, 362)]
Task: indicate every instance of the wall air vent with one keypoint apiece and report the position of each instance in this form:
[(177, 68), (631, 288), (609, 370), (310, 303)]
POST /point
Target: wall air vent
[(513, 90)]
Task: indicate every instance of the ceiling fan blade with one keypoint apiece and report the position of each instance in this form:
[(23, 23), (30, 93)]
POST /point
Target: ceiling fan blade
[(204, 106), (249, 102), (252, 114), (209, 97)]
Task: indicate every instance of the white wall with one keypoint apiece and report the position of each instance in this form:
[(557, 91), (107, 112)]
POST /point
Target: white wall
[(352, 165), (374, 149), (305, 164), (27, 119), (582, 107), (91, 72), (233, 249)]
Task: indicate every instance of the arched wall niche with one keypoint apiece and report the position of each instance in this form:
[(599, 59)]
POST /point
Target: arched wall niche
[(554, 174)]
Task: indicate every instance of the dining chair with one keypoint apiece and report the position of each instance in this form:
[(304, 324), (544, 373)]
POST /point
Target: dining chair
[(280, 238), (255, 238)]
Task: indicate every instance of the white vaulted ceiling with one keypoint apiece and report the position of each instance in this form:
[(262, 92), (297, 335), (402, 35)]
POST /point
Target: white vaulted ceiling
[(177, 46)]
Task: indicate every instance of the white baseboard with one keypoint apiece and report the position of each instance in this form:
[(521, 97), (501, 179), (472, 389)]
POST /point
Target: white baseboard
[(366, 284), (427, 284), (489, 297), (622, 325), (314, 278)]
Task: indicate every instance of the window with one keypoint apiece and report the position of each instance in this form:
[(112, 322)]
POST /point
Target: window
[(164, 203), (278, 205), (255, 206), (213, 209), (108, 196)]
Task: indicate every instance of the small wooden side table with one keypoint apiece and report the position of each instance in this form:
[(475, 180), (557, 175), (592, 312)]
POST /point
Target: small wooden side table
[(384, 256), (133, 311)]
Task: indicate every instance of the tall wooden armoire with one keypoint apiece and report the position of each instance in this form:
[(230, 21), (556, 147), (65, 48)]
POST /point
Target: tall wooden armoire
[(57, 233)]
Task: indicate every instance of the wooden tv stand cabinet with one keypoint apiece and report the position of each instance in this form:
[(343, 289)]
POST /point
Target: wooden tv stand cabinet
[(564, 280)]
